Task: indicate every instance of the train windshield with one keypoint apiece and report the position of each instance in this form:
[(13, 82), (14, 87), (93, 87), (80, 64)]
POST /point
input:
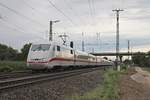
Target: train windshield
[(40, 47)]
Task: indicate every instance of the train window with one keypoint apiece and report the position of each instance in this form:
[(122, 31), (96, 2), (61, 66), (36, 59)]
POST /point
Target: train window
[(71, 51), (58, 48), (40, 47)]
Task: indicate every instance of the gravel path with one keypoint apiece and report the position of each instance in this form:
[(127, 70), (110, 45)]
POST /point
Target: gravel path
[(56, 90), (131, 89), (141, 76)]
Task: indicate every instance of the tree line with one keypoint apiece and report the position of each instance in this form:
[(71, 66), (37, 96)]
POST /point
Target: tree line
[(11, 54), (142, 59)]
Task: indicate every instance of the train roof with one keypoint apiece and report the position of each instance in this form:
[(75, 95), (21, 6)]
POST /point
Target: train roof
[(67, 47), (53, 43), (45, 42)]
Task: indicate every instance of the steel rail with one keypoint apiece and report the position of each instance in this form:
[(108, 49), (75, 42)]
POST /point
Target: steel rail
[(12, 83), (14, 74)]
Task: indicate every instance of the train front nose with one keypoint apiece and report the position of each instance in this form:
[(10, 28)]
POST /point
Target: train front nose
[(38, 61), (37, 65), (38, 56)]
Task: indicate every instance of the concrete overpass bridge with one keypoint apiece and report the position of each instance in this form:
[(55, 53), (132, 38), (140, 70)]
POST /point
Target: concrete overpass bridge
[(114, 54), (121, 54)]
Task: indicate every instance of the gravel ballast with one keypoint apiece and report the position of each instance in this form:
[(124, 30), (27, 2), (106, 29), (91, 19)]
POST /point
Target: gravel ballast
[(57, 89)]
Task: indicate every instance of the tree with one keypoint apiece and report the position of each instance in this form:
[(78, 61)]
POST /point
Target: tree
[(142, 59), (148, 59), (24, 51), (7, 53), (3, 49)]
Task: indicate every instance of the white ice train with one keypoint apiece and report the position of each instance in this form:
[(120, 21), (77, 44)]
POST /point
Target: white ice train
[(52, 55)]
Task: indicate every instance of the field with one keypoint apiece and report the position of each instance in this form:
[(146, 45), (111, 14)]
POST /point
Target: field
[(9, 66), (107, 91)]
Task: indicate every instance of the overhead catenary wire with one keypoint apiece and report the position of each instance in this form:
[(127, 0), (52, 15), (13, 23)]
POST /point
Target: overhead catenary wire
[(11, 26), (60, 11), (91, 9), (34, 9), (26, 3), (20, 14), (74, 12), (5, 18), (17, 28), (91, 12), (67, 4)]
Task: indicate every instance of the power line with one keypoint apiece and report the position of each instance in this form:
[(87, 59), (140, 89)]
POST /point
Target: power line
[(18, 13), (75, 13), (33, 9), (93, 6), (8, 23), (16, 28), (83, 49), (128, 49), (25, 1), (90, 8), (61, 12), (5, 18), (99, 41)]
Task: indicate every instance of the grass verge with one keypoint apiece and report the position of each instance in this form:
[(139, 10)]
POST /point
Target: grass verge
[(107, 91), (9, 66)]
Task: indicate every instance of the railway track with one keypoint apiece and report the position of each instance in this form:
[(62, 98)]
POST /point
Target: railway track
[(21, 81), (14, 74)]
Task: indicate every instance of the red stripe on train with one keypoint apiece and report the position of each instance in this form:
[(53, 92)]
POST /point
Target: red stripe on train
[(58, 59), (53, 59)]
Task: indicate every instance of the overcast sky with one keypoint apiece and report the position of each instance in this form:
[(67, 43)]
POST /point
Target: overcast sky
[(24, 21)]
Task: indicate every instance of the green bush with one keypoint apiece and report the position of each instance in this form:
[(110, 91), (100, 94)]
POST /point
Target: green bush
[(124, 67), (12, 66), (5, 69)]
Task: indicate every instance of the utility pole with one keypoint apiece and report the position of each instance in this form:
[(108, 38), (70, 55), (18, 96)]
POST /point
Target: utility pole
[(128, 48), (82, 41), (128, 53), (98, 41), (50, 29), (117, 38), (93, 50)]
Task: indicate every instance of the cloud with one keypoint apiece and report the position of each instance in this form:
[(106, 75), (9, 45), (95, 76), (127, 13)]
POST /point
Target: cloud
[(32, 22)]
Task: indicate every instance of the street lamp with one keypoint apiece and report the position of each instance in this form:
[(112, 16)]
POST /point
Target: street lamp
[(50, 32)]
